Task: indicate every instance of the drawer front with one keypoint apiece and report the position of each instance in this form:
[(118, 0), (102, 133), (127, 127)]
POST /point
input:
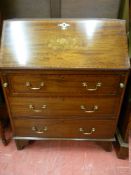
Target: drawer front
[(52, 128), (63, 107), (63, 85)]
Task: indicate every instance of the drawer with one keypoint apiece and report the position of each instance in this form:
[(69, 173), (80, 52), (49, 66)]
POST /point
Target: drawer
[(52, 128), (64, 107), (63, 85)]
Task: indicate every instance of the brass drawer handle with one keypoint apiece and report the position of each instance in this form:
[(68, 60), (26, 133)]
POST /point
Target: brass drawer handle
[(85, 84), (87, 133), (39, 131), (37, 110), (28, 84), (95, 108)]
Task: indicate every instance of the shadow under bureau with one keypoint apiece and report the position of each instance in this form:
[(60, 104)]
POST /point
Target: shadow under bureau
[(64, 79)]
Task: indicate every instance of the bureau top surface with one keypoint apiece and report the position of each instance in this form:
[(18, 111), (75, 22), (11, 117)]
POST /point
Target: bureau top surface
[(64, 44)]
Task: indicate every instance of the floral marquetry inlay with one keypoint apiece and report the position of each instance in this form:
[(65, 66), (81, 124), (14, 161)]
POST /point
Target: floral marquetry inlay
[(65, 43), (64, 26)]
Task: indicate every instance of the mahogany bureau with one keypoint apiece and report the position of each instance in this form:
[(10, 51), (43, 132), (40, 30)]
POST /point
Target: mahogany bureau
[(64, 79)]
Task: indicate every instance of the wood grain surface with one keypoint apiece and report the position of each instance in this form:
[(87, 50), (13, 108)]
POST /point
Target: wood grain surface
[(69, 84), (65, 128), (64, 107), (87, 43)]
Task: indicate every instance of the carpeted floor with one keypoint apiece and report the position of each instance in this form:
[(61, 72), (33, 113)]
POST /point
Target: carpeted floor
[(61, 158)]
